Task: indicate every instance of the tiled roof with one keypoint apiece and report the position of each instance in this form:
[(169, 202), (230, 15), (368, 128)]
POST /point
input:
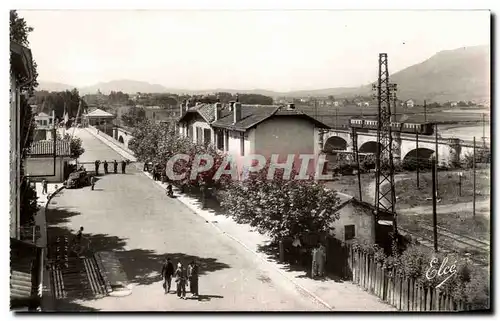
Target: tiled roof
[(46, 147), (99, 113), (251, 115), (42, 114), (204, 110)]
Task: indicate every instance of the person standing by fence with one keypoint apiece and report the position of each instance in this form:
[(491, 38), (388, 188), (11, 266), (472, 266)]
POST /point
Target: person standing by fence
[(105, 167), (321, 260), (115, 166)]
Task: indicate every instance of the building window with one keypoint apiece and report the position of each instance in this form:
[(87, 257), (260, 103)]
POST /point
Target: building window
[(220, 140), (242, 144), (350, 232), (207, 136), (199, 135)]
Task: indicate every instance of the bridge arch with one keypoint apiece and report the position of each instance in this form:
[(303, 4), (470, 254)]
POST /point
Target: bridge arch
[(120, 139), (334, 143), (421, 156), (369, 147)]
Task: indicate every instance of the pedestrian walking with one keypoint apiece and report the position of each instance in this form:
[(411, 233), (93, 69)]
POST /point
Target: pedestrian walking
[(92, 182), (96, 163), (193, 278), (115, 166), (167, 272), (105, 164), (180, 280), (44, 186), (123, 166)]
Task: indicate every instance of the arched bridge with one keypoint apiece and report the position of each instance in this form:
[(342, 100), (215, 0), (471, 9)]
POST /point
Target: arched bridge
[(404, 145)]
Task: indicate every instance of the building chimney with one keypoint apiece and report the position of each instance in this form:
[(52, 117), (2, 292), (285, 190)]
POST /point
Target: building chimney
[(217, 109), (291, 106), (236, 112)]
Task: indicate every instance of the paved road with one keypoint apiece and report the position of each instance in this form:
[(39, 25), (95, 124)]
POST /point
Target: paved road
[(133, 216)]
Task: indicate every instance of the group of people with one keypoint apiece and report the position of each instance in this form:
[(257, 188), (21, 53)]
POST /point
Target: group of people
[(318, 254), (182, 277), (97, 163)]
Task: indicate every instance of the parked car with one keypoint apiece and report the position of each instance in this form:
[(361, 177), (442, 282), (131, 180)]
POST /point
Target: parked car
[(78, 179)]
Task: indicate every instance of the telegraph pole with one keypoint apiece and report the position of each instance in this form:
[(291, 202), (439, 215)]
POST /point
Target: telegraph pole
[(385, 201), (336, 117), (474, 178), (434, 207), (425, 111), (418, 162), (484, 132)]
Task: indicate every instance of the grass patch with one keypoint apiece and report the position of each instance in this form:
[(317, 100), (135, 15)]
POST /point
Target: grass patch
[(448, 187), (348, 184), (461, 223)]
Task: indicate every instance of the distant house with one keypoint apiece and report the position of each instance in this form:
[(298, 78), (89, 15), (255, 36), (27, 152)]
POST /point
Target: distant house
[(242, 130), (44, 126), (454, 104), (101, 120), (40, 160), (410, 103), (336, 103), (159, 115)]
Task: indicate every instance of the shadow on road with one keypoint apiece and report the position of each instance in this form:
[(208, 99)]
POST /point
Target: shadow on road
[(142, 266)]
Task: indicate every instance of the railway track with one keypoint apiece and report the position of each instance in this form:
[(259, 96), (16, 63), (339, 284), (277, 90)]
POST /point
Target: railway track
[(429, 243), (464, 240)]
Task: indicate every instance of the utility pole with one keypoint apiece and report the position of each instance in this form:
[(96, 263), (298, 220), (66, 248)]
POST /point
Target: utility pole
[(425, 111), (336, 117), (437, 161), (418, 162), (356, 156), (474, 178), (434, 207), (385, 201), (484, 132)]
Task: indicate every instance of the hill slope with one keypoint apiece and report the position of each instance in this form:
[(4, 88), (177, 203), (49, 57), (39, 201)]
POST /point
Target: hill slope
[(450, 75), (53, 86)]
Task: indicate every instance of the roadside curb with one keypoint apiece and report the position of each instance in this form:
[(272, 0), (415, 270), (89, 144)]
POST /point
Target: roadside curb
[(193, 208), (47, 276)]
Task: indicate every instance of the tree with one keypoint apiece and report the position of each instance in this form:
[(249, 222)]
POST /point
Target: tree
[(75, 144), (134, 116), (19, 32), (281, 207)]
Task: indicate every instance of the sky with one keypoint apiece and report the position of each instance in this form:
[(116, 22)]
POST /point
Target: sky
[(274, 50)]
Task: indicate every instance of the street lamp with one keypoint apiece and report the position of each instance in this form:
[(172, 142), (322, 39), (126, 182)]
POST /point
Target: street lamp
[(460, 174)]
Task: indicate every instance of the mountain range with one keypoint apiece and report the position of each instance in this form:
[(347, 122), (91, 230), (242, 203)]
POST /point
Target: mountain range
[(450, 75)]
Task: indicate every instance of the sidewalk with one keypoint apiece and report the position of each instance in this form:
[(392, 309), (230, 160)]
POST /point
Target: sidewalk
[(48, 303), (336, 296)]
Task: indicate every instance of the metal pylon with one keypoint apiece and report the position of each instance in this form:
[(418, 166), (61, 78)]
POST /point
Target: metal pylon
[(385, 198)]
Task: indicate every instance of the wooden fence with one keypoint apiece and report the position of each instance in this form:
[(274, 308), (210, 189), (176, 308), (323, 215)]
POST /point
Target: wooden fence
[(401, 292)]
